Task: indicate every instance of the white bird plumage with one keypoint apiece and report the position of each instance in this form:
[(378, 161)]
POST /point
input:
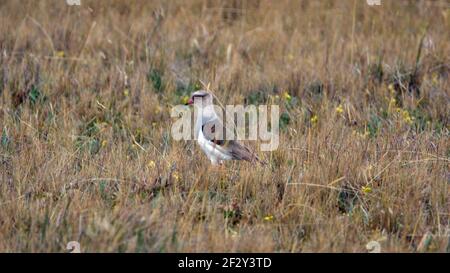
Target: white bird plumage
[(213, 151)]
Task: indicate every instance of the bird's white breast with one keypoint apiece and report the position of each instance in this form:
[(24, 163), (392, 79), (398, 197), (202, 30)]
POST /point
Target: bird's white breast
[(212, 150)]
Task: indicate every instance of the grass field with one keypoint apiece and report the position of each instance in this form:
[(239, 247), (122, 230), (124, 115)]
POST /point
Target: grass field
[(86, 152)]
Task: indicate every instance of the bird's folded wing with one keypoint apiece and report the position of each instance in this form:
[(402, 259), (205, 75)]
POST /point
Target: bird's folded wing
[(211, 131), (231, 147)]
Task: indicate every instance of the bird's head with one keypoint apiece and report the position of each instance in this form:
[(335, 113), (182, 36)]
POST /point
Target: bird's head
[(201, 96)]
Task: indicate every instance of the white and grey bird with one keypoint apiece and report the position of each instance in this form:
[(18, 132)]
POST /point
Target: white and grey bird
[(217, 150)]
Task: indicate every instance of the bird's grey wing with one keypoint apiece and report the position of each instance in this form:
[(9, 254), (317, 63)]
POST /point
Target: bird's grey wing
[(240, 152), (231, 147)]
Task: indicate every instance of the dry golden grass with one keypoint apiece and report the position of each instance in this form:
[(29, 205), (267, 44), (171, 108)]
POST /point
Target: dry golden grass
[(86, 151)]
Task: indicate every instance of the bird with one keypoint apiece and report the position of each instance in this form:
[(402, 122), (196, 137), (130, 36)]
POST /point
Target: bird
[(217, 150)]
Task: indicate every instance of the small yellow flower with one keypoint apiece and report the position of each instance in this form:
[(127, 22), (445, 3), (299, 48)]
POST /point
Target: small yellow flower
[(104, 143), (60, 54), (435, 78), (151, 164), (286, 96), (268, 218), (391, 87), (176, 176), (409, 120), (291, 57), (184, 99), (314, 119), (126, 92), (277, 97), (154, 124), (366, 189), (405, 114), (340, 109), (407, 117)]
